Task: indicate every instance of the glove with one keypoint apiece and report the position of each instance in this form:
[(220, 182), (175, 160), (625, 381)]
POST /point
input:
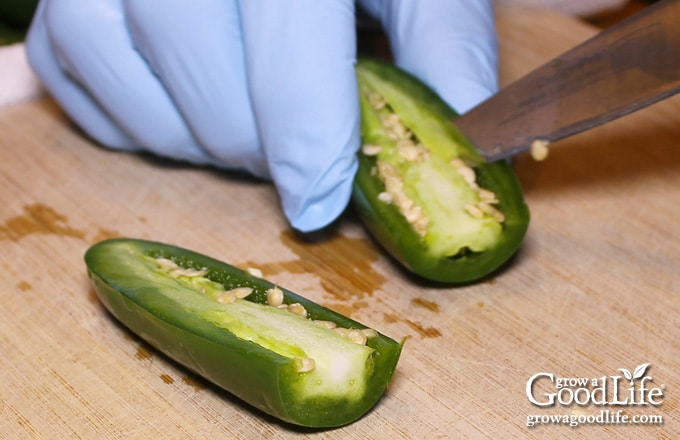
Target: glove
[(266, 87), (451, 47)]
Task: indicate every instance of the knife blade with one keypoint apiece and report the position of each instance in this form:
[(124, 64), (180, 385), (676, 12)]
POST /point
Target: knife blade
[(621, 69)]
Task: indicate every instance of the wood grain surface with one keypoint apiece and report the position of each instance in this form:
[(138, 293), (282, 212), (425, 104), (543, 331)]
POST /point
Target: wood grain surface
[(593, 290)]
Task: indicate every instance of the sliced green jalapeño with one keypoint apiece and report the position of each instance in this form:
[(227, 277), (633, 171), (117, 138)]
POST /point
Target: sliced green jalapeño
[(423, 191), (275, 350)]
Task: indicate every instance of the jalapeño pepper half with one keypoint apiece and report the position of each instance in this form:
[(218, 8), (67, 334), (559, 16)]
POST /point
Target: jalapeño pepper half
[(275, 350), (423, 191)]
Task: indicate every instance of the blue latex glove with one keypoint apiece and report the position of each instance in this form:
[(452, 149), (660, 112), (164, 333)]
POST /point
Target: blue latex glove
[(265, 86)]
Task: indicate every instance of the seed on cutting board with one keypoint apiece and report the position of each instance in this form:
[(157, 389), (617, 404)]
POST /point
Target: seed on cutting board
[(539, 149)]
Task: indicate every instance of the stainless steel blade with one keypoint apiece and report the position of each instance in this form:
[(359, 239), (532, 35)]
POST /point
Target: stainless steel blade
[(622, 69)]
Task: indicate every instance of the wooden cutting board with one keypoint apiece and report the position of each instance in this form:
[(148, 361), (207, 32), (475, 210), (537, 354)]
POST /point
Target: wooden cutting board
[(594, 289)]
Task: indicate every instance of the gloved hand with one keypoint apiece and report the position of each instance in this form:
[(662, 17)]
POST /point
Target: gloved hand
[(265, 86)]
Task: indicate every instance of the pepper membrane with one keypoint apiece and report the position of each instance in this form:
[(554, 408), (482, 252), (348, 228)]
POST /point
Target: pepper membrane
[(289, 359), (423, 191)]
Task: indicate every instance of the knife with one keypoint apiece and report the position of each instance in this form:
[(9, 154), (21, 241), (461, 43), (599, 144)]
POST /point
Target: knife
[(621, 69)]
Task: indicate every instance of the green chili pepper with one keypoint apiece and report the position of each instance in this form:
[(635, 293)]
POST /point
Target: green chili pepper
[(423, 191), (275, 350)]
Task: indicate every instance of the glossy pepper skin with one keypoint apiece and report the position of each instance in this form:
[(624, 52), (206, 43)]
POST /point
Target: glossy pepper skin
[(457, 248), (246, 347)]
